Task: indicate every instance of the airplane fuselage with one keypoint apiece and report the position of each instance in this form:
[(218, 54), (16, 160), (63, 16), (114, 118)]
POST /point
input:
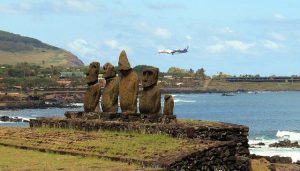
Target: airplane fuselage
[(168, 51)]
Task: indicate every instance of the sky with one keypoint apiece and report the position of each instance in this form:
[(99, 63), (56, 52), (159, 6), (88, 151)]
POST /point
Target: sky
[(230, 36)]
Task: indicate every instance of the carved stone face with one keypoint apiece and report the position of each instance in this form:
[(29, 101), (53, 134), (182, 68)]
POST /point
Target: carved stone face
[(109, 71), (93, 72), (150, 77)]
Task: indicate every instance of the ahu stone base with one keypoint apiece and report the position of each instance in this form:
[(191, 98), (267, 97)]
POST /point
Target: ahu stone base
[(231, 153)]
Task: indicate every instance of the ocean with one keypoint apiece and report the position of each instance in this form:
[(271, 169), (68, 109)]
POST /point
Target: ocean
[(271, 116)]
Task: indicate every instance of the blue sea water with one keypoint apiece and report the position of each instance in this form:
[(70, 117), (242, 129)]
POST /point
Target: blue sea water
[(271, 116)]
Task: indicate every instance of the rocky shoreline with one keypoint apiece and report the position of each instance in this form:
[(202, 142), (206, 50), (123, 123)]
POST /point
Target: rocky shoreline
[(285, 144), (12, 119)]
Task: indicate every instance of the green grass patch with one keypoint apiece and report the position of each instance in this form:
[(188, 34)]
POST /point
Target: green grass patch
[(126, 145), (18, 159)]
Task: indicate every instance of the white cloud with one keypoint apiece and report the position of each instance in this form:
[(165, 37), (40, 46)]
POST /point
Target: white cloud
[(239, 45), (235, 45), (14, 8), (48, 6), (188, 37), (75, 5), (271, 45), (225, 30), (278, 16), (277, 36), (115, 45), (82, 47), (162, 33), (164, 6), (217, 48)]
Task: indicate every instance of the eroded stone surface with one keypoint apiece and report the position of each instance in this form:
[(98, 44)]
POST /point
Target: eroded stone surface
[(110, 93), (169, 105), (150, 96), (128, 87), (93, 93)]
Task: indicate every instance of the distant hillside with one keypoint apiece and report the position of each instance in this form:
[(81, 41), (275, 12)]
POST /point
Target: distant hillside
[(15, 48)]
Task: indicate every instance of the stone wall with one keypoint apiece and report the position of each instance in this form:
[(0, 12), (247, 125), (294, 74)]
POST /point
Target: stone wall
[(221, 157)]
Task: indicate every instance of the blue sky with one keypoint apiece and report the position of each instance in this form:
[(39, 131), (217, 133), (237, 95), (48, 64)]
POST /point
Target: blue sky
[(230, 36)]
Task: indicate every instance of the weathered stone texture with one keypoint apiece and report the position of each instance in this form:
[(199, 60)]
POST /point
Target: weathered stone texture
[(93, 93), (110, 92), (128, 87), (150, 96), (91, 98), (169, 105), (214, 158)]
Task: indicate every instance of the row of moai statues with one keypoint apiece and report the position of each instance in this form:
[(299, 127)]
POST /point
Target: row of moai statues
[(126, 88)]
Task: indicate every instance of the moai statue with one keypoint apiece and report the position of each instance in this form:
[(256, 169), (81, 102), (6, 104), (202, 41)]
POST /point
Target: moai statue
[(93, 93), (110, 93), (169, 105), (150, 96), (128, 87)]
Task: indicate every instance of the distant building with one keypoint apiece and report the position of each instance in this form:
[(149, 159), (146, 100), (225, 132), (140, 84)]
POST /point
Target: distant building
[(263, 79), (64, 83), (168, 77), (71, 74)]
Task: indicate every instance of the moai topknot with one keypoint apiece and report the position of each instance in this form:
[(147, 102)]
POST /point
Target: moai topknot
[(110, 94), (169, 105), (93, 93), (128, 87), (150, 96)]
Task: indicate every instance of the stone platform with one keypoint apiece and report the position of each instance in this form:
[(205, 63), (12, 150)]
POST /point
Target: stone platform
[(229, 152), (129, 117)]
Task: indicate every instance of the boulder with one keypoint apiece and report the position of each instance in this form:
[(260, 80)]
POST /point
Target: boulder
[(285, 143)]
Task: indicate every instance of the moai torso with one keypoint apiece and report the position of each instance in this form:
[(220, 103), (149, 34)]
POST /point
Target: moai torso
[(91, 98), (169, 105), (150, 96), (110, 93), (93, 93), (128, 87)]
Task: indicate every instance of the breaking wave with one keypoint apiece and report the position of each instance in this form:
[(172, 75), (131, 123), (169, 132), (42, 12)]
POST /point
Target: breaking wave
[(184, 101), (293, 136), (265, 150)]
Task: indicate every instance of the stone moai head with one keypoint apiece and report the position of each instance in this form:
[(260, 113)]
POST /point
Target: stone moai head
[(92, 73), (124, 65), (169, 105), (150, 76), (109, 71)]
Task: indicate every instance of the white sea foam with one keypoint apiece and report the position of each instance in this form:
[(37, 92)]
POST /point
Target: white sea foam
[(293, 136), (19, 117), (266, 142), (265, 150), (294, 153), (77, 104), (184, 101), (25, 119), (7, 122)]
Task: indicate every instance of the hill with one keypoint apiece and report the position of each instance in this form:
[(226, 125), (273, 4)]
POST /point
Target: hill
[(15, 48)]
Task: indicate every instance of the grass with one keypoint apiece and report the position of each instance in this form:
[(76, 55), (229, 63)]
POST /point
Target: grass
[(18, 159), (200, 123), (51, 57), (124, 145)]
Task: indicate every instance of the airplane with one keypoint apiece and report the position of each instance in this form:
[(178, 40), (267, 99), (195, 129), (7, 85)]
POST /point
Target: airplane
[(168, 51)]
